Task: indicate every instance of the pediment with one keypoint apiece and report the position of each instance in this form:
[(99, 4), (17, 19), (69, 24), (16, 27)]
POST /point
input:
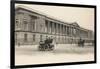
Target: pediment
[(75, 24)]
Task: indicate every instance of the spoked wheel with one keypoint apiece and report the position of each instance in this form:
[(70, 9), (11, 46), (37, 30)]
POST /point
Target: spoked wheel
[(41, 48), (51, 47), (46, 48)]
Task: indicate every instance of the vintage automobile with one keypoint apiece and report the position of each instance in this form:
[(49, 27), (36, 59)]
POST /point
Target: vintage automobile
[(45, 47)]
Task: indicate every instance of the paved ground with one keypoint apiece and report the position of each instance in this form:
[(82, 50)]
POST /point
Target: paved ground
[(62, 53)]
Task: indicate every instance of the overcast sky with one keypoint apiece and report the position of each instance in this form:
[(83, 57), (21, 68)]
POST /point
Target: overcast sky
[(83, 16)]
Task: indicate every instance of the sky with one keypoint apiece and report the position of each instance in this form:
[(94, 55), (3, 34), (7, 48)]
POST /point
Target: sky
[(83, 16)]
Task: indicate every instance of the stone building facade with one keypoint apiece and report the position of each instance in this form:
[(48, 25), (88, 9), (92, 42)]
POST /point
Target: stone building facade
[(31, 27)]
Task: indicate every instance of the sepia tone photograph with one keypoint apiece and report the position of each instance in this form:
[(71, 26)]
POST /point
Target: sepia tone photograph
[(47, 34)]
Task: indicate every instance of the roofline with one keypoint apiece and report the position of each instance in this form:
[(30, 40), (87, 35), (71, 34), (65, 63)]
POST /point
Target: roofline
[(43, 14)]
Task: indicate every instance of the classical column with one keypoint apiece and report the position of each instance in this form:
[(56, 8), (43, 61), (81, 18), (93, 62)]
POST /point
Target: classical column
[(66, 30), (55, 28), (78, 32), (70, 31), (60, 29), (74, 31), (63, 29), (47, 27), (50, 27)]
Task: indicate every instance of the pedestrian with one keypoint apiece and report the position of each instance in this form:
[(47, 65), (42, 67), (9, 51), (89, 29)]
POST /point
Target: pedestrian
[(80, 42), (83, 41)]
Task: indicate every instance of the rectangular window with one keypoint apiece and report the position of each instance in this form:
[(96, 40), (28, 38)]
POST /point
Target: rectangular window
[(50, 27), (34, 37), (68, 30), (58, 28), (17, 23), (33, 24), (40, 37), (55, 28), (46, 26), (25, 37), (25, 24)]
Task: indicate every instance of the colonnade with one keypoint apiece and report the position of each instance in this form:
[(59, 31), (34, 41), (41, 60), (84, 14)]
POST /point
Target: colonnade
[(64, 29)]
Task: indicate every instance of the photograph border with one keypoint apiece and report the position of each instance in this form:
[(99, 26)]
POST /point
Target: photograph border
[(12, 27)]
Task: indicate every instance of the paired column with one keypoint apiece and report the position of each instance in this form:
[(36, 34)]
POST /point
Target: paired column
[(69, 31), (60, 29), (56, 31)]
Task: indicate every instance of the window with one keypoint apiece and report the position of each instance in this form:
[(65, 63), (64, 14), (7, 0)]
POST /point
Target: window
[(58, 28), (17, 23), (74, 31), (34, 37), (40, 37), (25, 37), (54, 27), (68, 31), (33, 24), (50, 27), (25, 25), (46, 25), (33, 21)]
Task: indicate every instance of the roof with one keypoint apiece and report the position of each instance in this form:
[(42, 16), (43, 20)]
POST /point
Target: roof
[(40, 13), (75, 24), (48, 16)]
